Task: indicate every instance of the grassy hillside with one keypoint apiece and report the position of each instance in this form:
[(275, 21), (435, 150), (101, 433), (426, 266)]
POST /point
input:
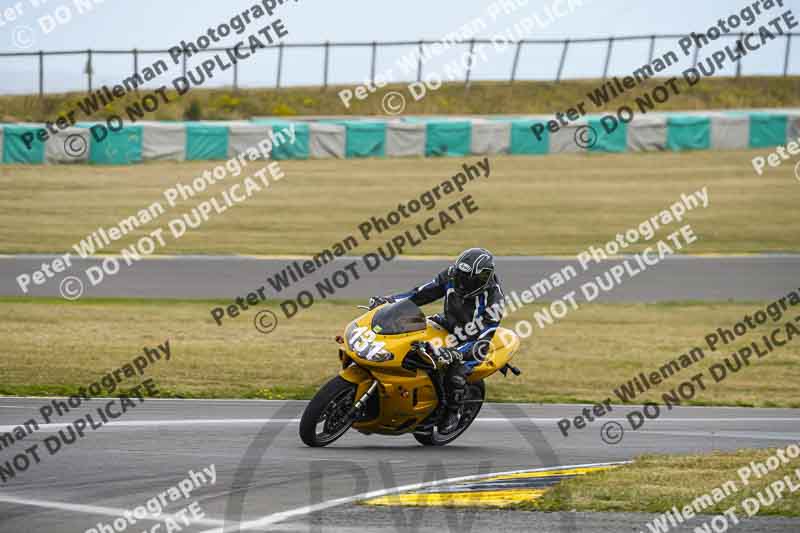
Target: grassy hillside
[(525, 97)]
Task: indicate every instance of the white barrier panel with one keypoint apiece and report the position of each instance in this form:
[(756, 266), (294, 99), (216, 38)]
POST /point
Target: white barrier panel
[(163, 141), (404, 139), (326, 141)]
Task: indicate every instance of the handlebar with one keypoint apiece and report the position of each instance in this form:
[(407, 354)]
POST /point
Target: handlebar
[(419, 346)]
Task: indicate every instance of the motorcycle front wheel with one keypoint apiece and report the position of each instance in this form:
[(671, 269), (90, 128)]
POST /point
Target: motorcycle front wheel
[(325, 418), (476, 393)]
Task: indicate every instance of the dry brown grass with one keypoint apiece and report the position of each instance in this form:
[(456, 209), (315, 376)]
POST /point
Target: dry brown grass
[(557, 204), (54, 346)]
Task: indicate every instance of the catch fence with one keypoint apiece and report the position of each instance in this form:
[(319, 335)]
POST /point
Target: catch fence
[(375, 47)]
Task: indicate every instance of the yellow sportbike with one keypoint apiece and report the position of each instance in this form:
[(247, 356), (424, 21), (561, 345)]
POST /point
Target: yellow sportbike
[(390, 384)]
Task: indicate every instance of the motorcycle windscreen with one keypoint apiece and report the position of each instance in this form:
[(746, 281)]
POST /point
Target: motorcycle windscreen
[(400, 317)]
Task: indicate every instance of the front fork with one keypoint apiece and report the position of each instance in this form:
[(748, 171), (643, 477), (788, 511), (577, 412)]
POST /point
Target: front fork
[(361, 402)]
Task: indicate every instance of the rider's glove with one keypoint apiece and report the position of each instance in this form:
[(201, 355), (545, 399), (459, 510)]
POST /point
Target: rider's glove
[(375, 301), (446, 356)]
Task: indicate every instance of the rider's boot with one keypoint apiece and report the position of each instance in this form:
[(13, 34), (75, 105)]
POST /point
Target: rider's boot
[(456, 383)]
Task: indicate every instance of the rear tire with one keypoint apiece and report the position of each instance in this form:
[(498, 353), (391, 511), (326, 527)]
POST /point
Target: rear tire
[(475, 392), (328, 408)]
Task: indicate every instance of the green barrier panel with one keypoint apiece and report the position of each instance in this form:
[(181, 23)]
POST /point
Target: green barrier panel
[(688, 133), (448, 139), (525, 142), (287, 150), (767, 130), (365, 139), (16, 151), (614, 141), (205, 143), (121, 147), (298, 149)]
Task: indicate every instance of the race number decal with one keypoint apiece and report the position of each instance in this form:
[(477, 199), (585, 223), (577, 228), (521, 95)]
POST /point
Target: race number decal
[(362, 341)]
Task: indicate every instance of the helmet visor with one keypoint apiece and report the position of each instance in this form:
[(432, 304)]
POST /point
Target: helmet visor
[(468, 283)]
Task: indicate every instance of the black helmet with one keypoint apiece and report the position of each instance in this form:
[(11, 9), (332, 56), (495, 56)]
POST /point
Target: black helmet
[(473, 272)]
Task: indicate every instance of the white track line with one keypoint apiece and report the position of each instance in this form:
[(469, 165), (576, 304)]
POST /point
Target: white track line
[(101, 398), (235, 421), (282, 516), (149, 423), (730, 434), (274, 518), (99, 510)]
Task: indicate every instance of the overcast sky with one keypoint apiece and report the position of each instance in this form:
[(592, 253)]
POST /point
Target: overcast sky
[(152, 24)]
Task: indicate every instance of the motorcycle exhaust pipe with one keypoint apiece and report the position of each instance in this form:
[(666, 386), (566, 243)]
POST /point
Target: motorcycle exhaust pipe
[(363, 400)]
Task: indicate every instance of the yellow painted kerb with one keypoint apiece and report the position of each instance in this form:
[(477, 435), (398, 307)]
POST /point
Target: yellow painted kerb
[(497, 498), (479, 493)]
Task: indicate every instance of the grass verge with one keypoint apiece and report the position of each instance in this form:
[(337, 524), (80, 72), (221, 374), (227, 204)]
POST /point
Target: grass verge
[(554, 205), (523, 97), (657, 483), (52, 346)]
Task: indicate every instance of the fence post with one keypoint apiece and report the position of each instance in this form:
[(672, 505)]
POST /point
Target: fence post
[(786, 57), (421, 43), (469, 63), (327, 58), (236, 76), (516, 61), (280, 66), (372, 67), (41, 73), (608, 57), (739, 63), (89, 68), (563, 58), (419, 63), (136, 67)]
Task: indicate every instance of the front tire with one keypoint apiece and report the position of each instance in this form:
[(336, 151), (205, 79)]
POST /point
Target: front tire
[(325, 417), (476, 393)]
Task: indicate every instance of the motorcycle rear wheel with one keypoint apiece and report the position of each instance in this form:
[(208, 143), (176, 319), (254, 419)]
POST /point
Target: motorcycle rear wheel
[(328, 409), (476, 393)]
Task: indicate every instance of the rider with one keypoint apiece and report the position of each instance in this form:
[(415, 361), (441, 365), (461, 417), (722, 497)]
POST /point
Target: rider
[(472, 306)]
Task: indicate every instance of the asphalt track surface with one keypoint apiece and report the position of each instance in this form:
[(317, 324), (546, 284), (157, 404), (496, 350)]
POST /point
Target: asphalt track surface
[(708, 278), (269, 481), (278, 484)]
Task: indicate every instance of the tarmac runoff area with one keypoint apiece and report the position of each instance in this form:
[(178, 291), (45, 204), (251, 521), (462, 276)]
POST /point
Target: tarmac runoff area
[(261, 467), (678, 277)]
